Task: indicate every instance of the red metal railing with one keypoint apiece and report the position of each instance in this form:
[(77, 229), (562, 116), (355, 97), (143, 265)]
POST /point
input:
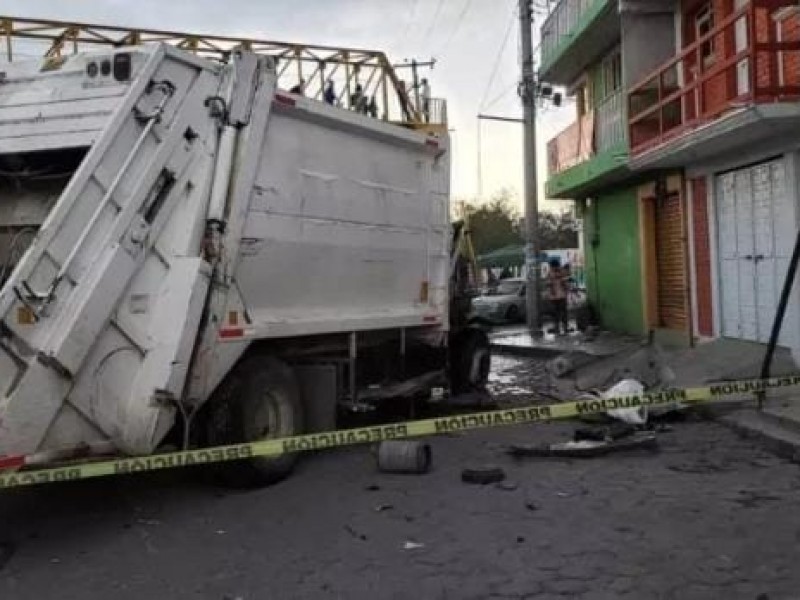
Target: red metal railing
[(737, 63)]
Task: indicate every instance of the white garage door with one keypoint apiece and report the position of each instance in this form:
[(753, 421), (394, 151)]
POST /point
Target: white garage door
[(756, 229)]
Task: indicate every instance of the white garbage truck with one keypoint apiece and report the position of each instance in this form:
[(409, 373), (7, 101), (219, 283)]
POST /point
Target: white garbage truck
[(191, 257)]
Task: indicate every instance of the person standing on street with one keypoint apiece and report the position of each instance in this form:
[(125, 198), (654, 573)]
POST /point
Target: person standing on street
[(557, 281), (425, 99)]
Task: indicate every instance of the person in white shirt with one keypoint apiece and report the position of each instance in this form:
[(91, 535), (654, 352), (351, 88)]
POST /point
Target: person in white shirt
[(425, 99)]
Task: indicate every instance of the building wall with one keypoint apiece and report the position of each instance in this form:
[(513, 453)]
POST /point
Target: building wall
[(790, 32), (613, 260), (701, 259), (648, 40), (717, 90)]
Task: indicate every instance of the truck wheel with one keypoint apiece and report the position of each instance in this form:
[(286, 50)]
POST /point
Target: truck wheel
[(258, 400), (470, 361)]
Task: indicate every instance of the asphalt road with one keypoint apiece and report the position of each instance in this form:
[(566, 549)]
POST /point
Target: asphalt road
[(709, 516)]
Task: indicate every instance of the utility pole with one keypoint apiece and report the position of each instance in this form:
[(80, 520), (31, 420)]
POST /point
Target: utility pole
[(415, 77), (527, 92), (415, 65)]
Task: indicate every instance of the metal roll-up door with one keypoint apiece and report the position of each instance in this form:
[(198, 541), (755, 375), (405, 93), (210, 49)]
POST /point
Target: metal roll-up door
[(671, 263)]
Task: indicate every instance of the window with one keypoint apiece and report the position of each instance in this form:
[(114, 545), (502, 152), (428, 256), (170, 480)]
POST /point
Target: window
[(611, 73), (703, 23)]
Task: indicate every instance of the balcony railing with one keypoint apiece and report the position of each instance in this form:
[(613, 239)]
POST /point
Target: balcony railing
[(737, 63), (561, 24), (597, 131), (572, 146)]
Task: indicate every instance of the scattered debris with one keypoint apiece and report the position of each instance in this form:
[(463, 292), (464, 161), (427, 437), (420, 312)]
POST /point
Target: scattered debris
[(754, 498), (586, 448), (355, 534), (579, 491), (604, 433), (565, 364), (483, 475), (632, 416), (383, 507), (150, 522), (701, 466), (402, 456), (520, 539), (507, 486), (560, 366), (531, 506), (372, 487), (221, 532), (409, 545)]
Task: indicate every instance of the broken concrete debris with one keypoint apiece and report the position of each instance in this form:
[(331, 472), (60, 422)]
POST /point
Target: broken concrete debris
[(483, 475)]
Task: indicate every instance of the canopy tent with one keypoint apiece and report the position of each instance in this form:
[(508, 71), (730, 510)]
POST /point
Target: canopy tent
[(507, 256)]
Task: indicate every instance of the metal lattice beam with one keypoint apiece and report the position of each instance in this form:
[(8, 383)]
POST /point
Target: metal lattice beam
[(370, 68)]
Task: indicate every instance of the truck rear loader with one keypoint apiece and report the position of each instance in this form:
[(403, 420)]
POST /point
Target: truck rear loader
[(191, 256)]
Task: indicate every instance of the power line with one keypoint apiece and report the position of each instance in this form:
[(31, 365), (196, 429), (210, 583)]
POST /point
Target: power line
[(500, 96), (409, 24), (459, 21), (433, 22), (499, 57)]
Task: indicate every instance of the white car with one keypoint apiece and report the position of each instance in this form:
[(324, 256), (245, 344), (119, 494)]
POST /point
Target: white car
[(506, 302)]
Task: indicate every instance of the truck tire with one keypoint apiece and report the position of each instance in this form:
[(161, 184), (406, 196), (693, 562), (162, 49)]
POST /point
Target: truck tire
[(470, 361), (258, 400)]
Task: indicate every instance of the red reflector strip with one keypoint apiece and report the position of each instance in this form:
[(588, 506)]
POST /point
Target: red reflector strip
[(231, 332), (430, 318), (11, 462), (285, 100), (432, 143)]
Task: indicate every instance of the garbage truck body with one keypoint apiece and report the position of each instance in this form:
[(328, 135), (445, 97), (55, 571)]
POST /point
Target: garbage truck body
[(191, 255)]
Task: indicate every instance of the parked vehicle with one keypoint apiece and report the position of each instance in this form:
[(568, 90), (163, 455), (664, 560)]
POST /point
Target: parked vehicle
[(194, 257), (505, 303)]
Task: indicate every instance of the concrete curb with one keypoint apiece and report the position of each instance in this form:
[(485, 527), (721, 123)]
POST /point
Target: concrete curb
[(777, 436)]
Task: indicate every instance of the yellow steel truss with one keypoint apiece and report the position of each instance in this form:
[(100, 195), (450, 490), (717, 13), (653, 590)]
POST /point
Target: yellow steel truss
[(313, 63)]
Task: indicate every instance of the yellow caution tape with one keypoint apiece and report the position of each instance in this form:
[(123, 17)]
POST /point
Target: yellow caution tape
[(379, 433)]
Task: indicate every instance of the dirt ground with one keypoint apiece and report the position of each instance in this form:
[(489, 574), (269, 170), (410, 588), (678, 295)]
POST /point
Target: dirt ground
[(708, 516)]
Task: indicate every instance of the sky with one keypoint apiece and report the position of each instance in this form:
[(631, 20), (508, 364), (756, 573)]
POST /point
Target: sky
[(475, 44)]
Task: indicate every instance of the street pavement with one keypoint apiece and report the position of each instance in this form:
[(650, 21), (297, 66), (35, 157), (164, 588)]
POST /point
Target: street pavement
[(709, 516)]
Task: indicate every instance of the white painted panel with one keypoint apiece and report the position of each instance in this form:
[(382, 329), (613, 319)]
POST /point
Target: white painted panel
[(756, 221), (763, 220), (343, 224), (784, 231), (745, 248), (728, 257)]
